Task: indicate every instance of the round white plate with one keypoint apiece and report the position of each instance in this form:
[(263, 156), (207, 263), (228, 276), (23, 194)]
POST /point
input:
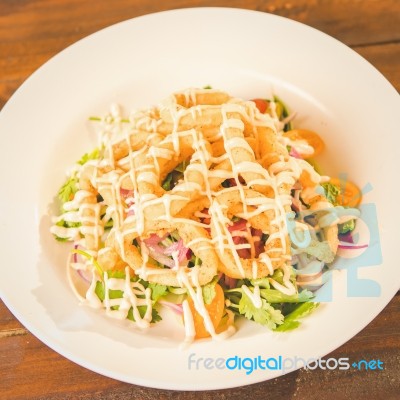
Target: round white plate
[(137, 63)]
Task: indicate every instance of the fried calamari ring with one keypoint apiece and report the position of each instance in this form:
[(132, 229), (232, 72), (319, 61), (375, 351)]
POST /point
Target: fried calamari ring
[(163, 158), (194, 238)]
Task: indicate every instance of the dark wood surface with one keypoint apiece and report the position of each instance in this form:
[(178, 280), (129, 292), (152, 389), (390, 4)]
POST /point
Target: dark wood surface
[(31, 32)]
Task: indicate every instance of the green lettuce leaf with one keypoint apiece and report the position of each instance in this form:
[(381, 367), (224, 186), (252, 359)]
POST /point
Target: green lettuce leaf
[(275, 296), (331, 192), (209, 292), (291, 320), (155, 316), (347, 227)]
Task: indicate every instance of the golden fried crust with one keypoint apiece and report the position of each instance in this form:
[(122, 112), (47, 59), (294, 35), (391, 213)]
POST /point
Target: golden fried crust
[(236, 166)]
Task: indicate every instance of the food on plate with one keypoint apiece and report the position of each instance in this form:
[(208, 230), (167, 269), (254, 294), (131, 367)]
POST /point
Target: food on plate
[(206, 205)]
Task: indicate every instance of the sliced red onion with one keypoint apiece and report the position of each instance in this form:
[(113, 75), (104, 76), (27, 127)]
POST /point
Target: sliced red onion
[(346, 238), (76, 260), (75, 255), (161, 258), (177, 247), (175, 307), (131, 211), (174, 247), (294, 153), (352, 247), (83, 275)]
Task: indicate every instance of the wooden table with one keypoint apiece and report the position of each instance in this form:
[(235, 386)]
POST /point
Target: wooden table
[(33, 31)]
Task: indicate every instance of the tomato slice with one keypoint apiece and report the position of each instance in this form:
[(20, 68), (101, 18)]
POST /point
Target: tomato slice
[(215, 309), (309, 137), (350, 194), (261, 104)]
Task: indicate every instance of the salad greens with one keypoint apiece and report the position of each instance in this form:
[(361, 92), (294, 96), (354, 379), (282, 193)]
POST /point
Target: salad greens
[(292, 319), (70, 187), (282, 113), (68, 190), (331, 192), (174, 176), (157, 291), (275, 305)]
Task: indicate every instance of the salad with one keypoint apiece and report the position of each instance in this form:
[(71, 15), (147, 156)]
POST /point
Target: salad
[(207, 206)]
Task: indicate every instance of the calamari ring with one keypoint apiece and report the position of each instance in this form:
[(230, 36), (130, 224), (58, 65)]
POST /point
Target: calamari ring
[(155, 168), (207, 114), (194, 237), (136, 140), (240, 153)]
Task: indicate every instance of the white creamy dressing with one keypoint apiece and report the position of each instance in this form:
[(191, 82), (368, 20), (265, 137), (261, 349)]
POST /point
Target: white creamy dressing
[(190, 281), (253, 296), (301, 146), (134, 296)]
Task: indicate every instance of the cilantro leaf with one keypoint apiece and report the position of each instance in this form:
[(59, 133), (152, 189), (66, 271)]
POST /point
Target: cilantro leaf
[(265, 315), (291, 320), (68, 190), (70, 187), (262, 282), (157, 291)]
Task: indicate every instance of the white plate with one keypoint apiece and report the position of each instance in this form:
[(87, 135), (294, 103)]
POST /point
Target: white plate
[(137, 63)]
